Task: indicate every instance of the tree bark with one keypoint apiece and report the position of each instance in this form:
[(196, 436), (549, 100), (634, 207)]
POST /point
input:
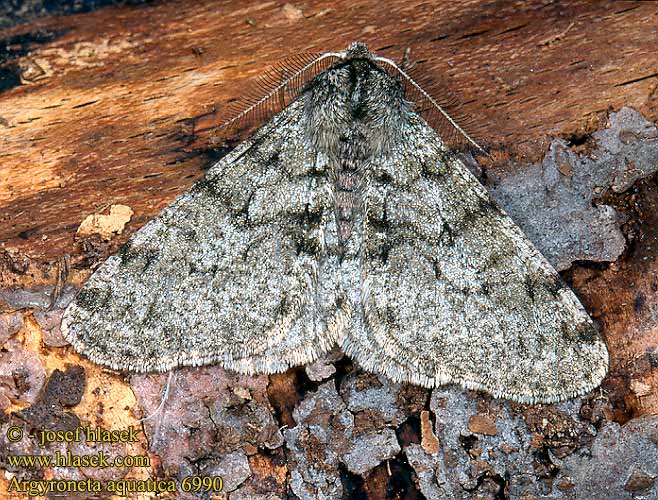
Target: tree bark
[(119, 106)]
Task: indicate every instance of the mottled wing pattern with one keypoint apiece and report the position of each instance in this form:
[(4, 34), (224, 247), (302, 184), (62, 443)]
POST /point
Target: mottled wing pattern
[(229, 272), (454, 292)]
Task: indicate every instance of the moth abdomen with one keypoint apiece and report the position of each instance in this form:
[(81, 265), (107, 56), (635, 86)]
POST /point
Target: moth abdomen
[(347, 197)]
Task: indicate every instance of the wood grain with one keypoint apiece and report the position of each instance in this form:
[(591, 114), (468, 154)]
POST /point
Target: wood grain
[(107, 115), (117, 106)]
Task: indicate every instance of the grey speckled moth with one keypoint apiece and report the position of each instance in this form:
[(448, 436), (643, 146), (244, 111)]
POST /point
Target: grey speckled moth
[(342, 221)]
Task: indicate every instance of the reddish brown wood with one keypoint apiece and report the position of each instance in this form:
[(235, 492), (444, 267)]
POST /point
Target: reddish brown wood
[(108, 107), (107, 117)]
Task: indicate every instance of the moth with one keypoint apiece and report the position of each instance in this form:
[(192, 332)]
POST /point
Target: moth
[(344, 221)]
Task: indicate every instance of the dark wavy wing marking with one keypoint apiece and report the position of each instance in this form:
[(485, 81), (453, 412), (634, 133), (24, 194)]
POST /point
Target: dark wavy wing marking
[(454, 292), (230, 272)]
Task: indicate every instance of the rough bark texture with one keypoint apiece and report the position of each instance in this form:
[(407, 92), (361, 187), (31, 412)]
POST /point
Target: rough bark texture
[(116, 106)]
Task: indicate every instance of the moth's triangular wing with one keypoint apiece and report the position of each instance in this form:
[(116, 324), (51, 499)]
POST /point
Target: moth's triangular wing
[(227, 273), (453, 291)]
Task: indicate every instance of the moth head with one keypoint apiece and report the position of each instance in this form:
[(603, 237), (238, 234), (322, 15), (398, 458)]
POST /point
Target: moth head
[(357, 50)]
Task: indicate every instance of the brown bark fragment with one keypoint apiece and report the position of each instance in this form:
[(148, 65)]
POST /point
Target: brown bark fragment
[(639, 481), (428, 439), (482, 424)]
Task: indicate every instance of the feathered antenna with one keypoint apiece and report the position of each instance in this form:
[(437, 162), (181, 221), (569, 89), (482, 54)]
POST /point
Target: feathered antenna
[(436, 114), (276, 88)]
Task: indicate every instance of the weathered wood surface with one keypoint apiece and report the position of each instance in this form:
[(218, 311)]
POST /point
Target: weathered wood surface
[(107, 104), (107, 109)]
